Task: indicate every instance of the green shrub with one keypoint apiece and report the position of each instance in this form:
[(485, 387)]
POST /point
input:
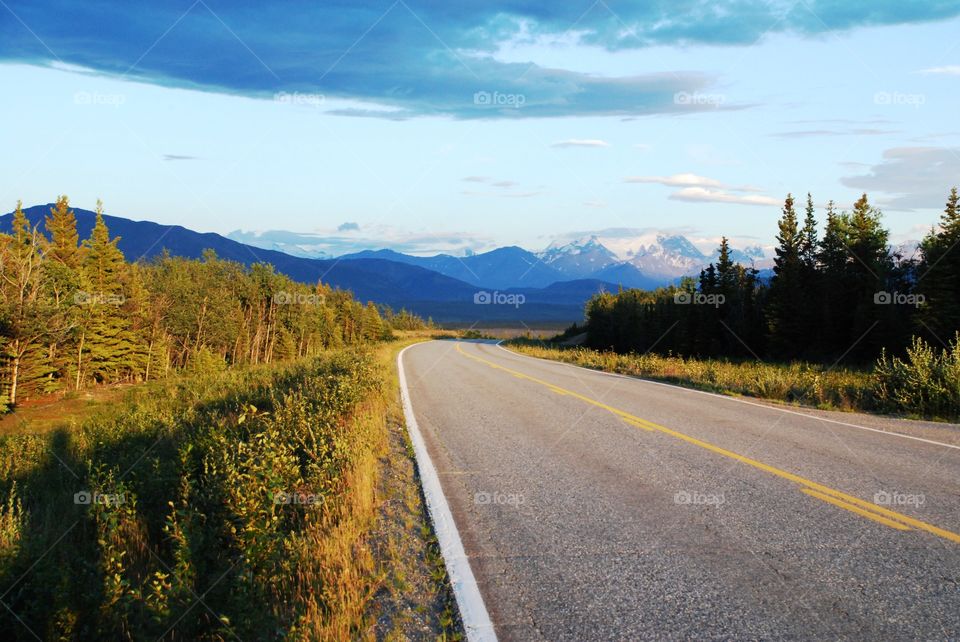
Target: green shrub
[(926, 382)]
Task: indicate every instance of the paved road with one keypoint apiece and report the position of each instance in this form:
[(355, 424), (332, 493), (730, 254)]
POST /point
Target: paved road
[(596, 507)]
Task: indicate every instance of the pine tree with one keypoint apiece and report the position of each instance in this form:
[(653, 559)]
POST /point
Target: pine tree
[(372, 323), (105, 345), (61, 225), (785, 321), (808, 237), (23, 312), (938, 275)]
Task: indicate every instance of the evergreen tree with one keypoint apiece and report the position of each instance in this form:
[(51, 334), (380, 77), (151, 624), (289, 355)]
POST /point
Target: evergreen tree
[(938, 275), (24, 314), (785, 321), (808, 237), (106, 345), (61, 225)]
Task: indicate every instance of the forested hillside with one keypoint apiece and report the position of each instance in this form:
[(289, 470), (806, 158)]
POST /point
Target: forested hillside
[(74, 312)]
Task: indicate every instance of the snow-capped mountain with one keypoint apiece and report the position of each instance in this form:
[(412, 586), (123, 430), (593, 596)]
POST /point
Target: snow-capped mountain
[(668, 257), (624, 257), (579, 258)]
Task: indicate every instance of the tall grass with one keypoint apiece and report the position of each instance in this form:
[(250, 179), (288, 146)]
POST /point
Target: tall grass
[(224, 505), (926, 383)]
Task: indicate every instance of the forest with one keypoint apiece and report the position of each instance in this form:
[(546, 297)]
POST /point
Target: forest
[(837, 295), (75, 313)]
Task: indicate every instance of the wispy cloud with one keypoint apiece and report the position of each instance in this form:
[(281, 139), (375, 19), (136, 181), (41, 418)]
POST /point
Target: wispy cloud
[(703, 189), (375, 237), (178, 157), (581, 142), (706, 195), (348, 227), (814, 133), (676, 180), (911, 177), (948, 70)]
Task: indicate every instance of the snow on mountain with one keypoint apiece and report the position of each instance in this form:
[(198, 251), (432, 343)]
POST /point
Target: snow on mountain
[(908, 250), (669, 257), (654, 256), (578, 258)]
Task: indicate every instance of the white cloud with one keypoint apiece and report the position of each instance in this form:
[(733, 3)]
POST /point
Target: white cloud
[(948, 70), (705, 195), (581, 142), (676, 180)]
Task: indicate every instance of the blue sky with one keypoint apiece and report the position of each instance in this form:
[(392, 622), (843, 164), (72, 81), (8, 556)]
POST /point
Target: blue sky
[(429, 126)]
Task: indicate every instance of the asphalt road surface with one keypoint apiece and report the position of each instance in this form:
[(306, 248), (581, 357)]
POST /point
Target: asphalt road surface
[(598, 507)]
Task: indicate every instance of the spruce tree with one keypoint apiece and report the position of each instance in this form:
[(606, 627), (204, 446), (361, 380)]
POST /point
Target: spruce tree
[(61, 225), (106, 344), (938, 275), (24, 314), (785, 322), (808, 237)]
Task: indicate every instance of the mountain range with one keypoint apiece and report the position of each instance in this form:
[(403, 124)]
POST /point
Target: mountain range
[(553, 285), (649, 262)]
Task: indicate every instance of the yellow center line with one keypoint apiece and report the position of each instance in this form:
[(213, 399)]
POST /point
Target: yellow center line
[(855, 509), (849, 502)]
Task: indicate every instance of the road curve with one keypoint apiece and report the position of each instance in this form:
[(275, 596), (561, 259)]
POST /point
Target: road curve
[(594, 507)]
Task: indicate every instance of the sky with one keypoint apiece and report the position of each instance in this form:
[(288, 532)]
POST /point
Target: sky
[(458, 127)]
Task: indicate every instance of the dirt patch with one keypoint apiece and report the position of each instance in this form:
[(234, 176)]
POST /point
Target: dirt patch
[(43, 414)]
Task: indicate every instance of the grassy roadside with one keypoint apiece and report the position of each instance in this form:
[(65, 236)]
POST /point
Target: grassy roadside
[(414, 600), (910, 387), (259, 503)]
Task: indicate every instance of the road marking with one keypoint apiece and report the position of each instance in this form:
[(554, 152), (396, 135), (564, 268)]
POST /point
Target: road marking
[(776, 408), (473, 612), (802, 481), (856, 509)]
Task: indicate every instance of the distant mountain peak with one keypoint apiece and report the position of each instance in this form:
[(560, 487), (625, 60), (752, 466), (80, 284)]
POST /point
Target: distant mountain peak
[(578, 258)]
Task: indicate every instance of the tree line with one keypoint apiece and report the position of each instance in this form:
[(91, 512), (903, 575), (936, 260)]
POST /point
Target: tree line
[(75, 313), (836, 293)]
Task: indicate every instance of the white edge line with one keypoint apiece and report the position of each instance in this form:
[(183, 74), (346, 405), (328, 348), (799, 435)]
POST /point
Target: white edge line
[(473, 612), (736, 399)]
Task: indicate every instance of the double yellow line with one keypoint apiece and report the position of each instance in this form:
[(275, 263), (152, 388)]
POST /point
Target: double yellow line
[(832, 496)]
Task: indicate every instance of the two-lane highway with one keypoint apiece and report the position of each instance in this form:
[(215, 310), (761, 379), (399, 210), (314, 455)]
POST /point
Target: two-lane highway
[(599, 507)]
